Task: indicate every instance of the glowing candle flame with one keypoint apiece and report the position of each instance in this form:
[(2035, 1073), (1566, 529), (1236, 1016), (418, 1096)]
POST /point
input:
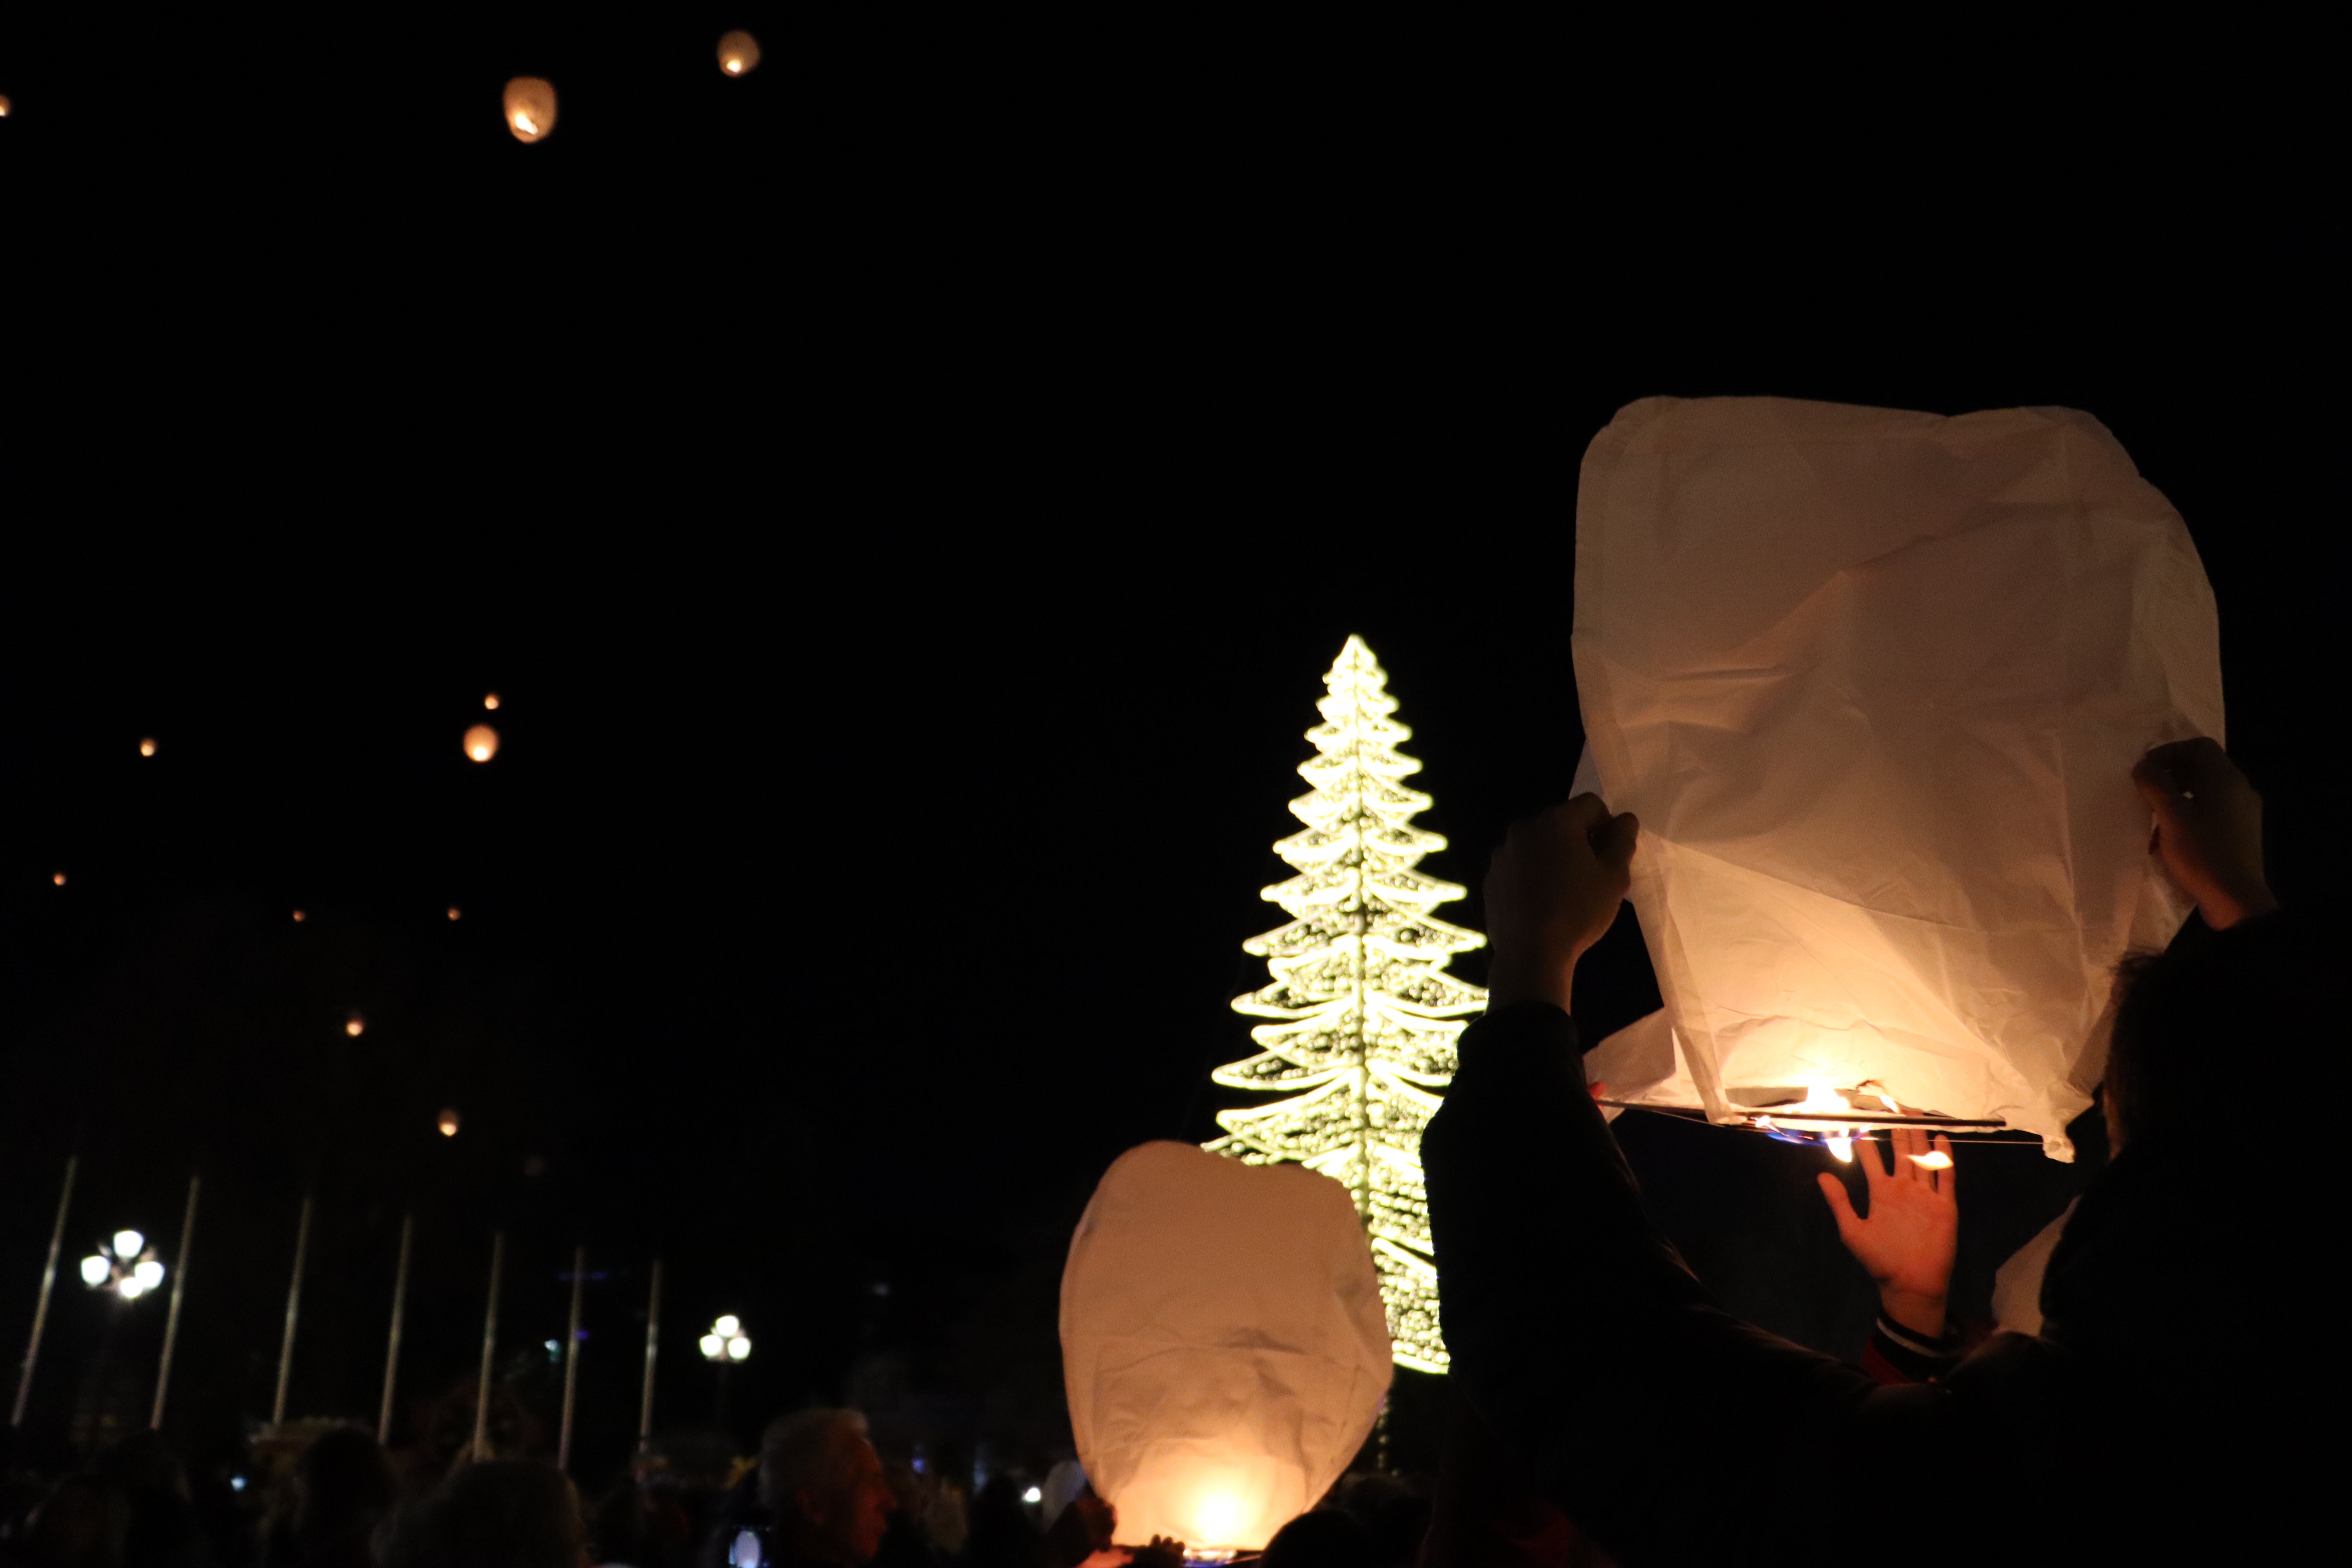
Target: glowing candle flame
[(737, 52), (1821, 1096), (1216, 1517), (1934, 1159), (1840, 1143), (531, 108)]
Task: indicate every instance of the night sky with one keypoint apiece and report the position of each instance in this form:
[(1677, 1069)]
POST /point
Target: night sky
[(905, 501)]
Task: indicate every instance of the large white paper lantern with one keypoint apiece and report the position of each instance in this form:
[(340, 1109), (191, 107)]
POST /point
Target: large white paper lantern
[(1222, 1342), (1875, 682)]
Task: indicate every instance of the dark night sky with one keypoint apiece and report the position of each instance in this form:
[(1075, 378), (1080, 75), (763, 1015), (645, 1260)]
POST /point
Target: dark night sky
[(905, 501)]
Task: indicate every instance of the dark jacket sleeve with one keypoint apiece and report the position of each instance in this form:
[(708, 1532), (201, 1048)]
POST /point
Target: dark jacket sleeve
[(1669, 1430)]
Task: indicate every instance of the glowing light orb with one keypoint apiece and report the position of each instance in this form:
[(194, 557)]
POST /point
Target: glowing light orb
[(59, 879), (531, 108), (94, 1270), (448, 1123), (1033, 1495), (149, 1274), (455, 912), (4, 106), (147, 747), (129, 1288), (1934, 1159), (713, 1346), (481, 743), (739, 52), (726, 1342), (352, 1026), (727, 1327), (128, 1244), (739, 1348), (1216, 1517), (299, 917), (490, 700)]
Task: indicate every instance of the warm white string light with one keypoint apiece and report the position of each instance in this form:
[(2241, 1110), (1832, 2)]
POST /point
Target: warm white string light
[(1364, 1017)]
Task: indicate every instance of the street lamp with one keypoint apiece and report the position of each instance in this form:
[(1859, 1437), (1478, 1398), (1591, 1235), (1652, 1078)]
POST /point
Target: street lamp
[(126, 1266), (723, 1346)]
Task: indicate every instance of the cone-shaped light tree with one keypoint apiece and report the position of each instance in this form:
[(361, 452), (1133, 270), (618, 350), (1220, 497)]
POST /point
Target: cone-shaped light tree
[(1362, 1017)]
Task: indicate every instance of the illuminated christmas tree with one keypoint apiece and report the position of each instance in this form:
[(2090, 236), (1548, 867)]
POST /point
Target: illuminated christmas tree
[(1364, 1017)]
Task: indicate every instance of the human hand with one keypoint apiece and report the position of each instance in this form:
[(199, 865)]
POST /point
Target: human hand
[(2209, 828), (1552, 891), (1907, 1243), (1162, 1553)]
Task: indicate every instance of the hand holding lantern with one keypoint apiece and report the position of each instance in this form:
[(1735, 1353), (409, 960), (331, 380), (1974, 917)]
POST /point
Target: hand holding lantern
[(2209, 828), (1552, 891), (1906, 1241)]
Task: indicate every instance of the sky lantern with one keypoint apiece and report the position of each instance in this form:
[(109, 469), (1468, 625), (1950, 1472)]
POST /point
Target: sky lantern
[(490, 700), (739, 52), (455, 912), (354, 1026), (299, 917), (448, 1123), (147, 746), (531, 108), (4, 106), (1224, 1343), (481, 743), (1874, 682), (59, 879)]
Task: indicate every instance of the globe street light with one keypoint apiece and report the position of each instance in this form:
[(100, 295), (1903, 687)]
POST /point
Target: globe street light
[(723, 1346), (126, 1266)]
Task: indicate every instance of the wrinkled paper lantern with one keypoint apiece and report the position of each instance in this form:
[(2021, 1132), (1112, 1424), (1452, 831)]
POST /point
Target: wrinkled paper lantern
[(738, 51), (531, 108), (1222, 1342), (448, 1123), (1875, 682), (481, 743)]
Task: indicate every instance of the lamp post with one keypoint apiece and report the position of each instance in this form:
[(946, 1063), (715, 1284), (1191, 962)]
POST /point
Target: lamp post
[(124, 1263), (723, 1346)]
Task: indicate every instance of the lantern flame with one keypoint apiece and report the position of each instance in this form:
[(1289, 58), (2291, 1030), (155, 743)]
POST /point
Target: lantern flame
[(531, 108), (1217, 1516), (1841, 1144), (738, 51), (1934, 1159)]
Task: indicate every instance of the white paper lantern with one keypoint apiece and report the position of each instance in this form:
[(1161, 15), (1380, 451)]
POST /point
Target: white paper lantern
[(1875, 682), (1224, 1343), (739, 52)]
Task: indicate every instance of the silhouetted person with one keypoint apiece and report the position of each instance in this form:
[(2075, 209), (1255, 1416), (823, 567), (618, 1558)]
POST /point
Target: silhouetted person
[(822, 1486), (2141, 1425), (342, 1489), (502, 1514), (624, 1534), (85, 1522), (164, 1529), (1003, 1533), (1326, 1538)]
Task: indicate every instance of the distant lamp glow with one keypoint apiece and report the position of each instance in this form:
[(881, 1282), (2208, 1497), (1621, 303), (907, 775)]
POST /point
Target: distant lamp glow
[(1034, 1494), (448, 1123), (738, 51), (129, 1288), (128, 1244), (531, 108), (455, 912), (95, 1270), (354, 1026), (147, 747), (481, 743), (726, 1343), (490, 700), (59, 879), (149, 1274), (125, 1265)]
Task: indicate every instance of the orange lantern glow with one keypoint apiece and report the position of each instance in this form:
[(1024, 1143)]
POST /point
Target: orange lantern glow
[(298, 917), (481, 743), (490, 700), (147, 747), (448, 1123), (59, 879), (455, 911), (4, 106), (352, 1025), (738, 51), (531, 108)]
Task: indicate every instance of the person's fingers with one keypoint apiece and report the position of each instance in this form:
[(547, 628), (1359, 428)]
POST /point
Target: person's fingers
[(1849, 1223), (1866, 1155), (1948, 1179), (1583, 813), (1613, 841)]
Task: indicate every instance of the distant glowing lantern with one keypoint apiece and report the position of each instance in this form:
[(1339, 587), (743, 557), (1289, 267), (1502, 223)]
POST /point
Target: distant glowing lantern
[(448, 1123), (95, 1270), (354, 1026), (1804, 634), (738, 51), (1224, 1343), (455, 912), (4, 106), (531, 108), (147, 747), (481, 743), (59, 879), (299, 917), (490, 700)]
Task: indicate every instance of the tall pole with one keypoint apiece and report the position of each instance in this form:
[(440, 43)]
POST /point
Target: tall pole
[(179, 1292), (391, 1347), (653, 1338), (489, 1349), (571, 1358), (48, 1283), (293, 1311)]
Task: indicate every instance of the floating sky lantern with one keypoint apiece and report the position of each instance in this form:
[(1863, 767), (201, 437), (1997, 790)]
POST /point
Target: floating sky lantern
[(1224, 1343), (4, 106), (299, 917), (531, 108), (1874, 682), (147, 747), (455, 912), (354, 1025), (490, 700), (59, 879), (481, 743), (739, 52), (448, 1121)]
